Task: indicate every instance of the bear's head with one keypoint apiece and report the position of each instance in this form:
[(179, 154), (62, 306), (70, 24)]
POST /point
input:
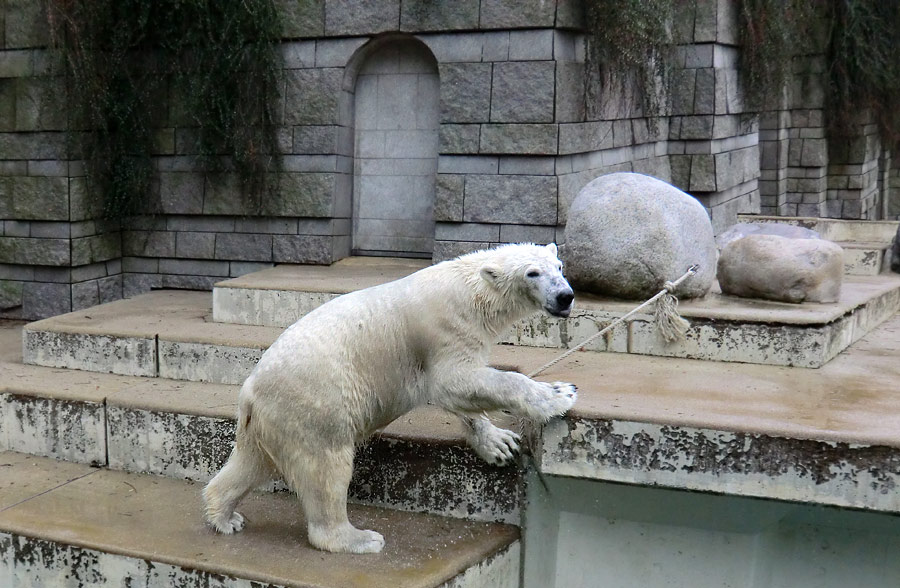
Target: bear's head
[(533, 275)]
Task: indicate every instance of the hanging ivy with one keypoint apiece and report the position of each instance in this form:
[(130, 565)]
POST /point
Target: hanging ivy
[(127, 62)]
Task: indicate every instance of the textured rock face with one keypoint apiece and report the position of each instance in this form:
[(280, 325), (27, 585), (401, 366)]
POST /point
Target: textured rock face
[(735, 232), (777, 268), (627, 234)]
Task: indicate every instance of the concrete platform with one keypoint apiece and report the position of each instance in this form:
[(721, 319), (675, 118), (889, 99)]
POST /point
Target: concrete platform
[(64, 524), (185, 430), (826, 436), (725, 328)]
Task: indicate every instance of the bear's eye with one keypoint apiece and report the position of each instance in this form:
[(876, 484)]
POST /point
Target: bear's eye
[(533, 274)]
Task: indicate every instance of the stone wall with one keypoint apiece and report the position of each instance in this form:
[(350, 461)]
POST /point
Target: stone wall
[(517, 139)]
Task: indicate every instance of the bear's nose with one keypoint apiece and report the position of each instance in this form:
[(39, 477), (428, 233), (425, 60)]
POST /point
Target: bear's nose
[(564, 299)]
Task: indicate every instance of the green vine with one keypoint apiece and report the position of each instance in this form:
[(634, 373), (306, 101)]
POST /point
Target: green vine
[(864, 67), (630, 48), (772, 34), (126, 61)]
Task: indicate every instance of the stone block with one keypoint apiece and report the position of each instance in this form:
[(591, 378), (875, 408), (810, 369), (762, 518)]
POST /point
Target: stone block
[(34, 198), (15, 64), (531, 45), (466, 232), (27, 251), (298, 54), (302, 194), (50, 230), (315, 139), (444, 250), (200, 362), (361, 17), (87, 272), (465, 92), (570, 80), (527, 234), (683, 85), (703, 173), (519, 139), (427, 15), (208, 224), (623, 135), (705, 21), (41, 300), (462, 139), (134, 284), (467, 164), (181, 193), (243, 247), (10, 294), (336, 52), (274, 225), (14, 228), (302, 249), (510, 199), (814, 152), (523, 92), (36, 105), (525, 165), (189, 281), (25, 24), (70, 430), (448, 198), (509, 14), (311, 96), (301, 19), (85, 295), (194, 245), (37, 145), (583, 137), (455, 47), (223, 194), (495, 46), (191, 267), (96, 248), (705, 91), (148, 243)]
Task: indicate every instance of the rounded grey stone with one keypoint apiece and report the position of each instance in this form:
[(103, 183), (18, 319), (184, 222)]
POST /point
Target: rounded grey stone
[(772, 267), (627, 234), (735, 232)]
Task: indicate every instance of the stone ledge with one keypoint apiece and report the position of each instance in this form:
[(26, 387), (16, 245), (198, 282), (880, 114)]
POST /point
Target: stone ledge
[(91, 521)]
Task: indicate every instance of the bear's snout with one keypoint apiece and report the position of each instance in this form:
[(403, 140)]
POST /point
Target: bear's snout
[(564, 299), (562, 304)]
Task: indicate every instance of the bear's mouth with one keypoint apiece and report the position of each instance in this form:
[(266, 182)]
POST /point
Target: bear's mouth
[(560, 312)]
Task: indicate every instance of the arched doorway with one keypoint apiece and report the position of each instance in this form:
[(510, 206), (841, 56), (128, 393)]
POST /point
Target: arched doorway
[(396, 117)]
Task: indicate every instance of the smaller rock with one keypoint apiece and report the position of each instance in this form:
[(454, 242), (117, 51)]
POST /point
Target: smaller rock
[(772, 267), (735, 232)]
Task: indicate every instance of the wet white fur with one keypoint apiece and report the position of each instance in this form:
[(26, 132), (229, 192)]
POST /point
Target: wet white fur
[(357, 363)]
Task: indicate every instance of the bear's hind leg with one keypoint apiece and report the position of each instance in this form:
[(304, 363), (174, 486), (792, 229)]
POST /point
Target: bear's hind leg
[(321, 477), (246, 468)]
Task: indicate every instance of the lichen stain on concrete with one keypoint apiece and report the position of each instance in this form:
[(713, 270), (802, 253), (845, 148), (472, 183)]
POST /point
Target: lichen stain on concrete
[(648, 448), (56, 428), (435, 478)]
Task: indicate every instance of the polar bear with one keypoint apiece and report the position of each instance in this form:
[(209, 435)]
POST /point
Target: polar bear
[(360, 361)]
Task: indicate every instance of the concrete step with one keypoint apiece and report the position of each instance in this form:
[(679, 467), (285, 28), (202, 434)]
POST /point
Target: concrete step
[(185, 430), (824, 437), (66, 524), (725, 328), (866, 259), (840, 230)]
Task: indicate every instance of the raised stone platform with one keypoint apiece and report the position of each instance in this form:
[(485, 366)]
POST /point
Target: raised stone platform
[(65, 524), (724, 328)]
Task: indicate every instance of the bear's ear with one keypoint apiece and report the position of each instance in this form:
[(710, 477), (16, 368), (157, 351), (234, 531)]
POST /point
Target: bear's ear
[(490, 274), (553, 249)]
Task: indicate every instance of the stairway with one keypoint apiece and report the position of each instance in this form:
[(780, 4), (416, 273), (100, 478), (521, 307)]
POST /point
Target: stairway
[(112, 418)]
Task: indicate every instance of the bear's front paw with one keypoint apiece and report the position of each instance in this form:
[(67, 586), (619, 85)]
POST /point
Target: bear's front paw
[(558, 397), (495, 445)]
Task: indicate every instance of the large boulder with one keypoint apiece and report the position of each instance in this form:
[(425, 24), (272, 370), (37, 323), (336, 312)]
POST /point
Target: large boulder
[(778, 268), (627, 234)]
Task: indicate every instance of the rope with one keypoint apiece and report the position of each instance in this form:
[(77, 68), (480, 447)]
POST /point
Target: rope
[(671, 325)]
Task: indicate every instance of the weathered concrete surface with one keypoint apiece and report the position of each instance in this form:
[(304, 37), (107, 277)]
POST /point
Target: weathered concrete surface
[(865, 231), (419, 463), (827, 436), (866, 259), (268, 297), (726, 329), (88, 525)]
